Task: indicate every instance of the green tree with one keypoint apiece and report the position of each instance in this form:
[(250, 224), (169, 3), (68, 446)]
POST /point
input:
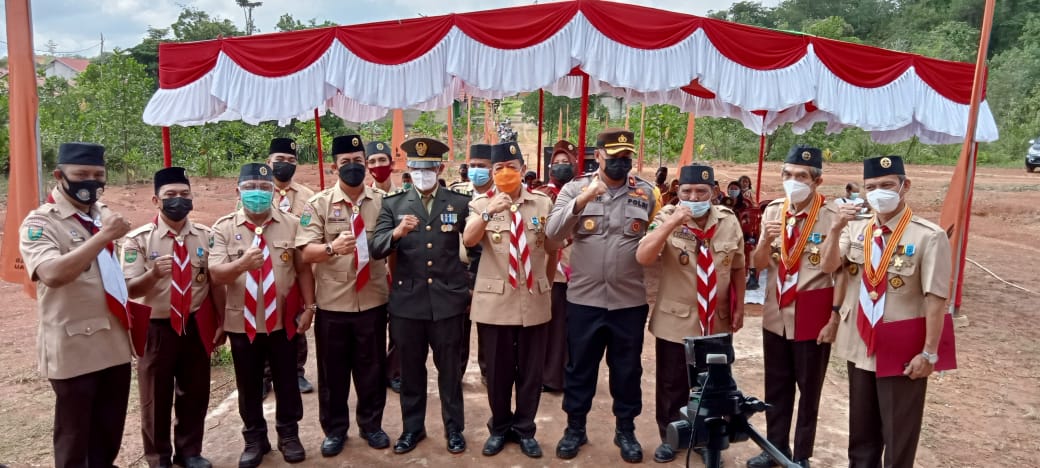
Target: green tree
[(197, 25), (832, 27), (147, 52), (288, 23)]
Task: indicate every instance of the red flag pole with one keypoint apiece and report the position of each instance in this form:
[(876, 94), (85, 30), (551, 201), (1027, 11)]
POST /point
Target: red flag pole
[(541, 116), (761, 159), (24, 183), (969, 153), (583, 123), (642, 138), (167, 152), (321, 152), (469, 124)]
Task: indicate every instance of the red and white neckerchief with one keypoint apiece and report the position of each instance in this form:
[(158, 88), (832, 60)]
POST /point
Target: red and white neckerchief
[(180, 283), (875, 276), (361, 257), (261, 282), (792, 246), (284, 203), (519, 253), (112, 278), (707, 280)]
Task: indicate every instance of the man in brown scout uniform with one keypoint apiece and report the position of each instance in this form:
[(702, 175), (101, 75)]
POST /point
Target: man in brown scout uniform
[(430, 292), (165, 263), (254, 254), (701, 251), (478, 182), (82, 344), (290, 197), (796, 321), (351, 292), (561, 171), (909, 283), (511, 300), (607, 213)]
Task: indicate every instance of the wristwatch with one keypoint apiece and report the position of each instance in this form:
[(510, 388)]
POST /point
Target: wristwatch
[(485, 216), (328, 250), (931, 358)]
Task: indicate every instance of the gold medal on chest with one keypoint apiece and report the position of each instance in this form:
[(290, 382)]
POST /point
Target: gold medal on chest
[(285, 257), (589, 224), (496, 237), (898, 263), (853, 269), (200, 277)]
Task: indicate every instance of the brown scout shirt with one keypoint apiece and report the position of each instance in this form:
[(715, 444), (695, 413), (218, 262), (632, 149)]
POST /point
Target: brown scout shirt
[(495, 302), (326, 215), (606, 235), (675, 313), (231, 238), (77, 333), (810, 275), (927, 271), (298, 194), (143, 245)]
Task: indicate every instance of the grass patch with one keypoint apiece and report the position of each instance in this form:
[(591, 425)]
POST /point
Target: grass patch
[(221, 356)]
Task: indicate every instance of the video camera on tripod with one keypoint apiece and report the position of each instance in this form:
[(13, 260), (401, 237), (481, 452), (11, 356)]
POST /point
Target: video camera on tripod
[(717, 413)]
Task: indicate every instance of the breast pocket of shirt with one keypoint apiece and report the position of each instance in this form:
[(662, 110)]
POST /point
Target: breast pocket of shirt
[(723, 253), (590, 222), (635, 221), (282, 253), (903, 279), (497, 233)]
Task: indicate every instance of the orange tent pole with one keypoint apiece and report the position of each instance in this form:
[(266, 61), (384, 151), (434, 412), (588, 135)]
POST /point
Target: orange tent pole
[(321, 150)]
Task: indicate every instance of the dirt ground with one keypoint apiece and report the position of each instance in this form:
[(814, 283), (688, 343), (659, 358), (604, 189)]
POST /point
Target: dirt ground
[(985, 414)]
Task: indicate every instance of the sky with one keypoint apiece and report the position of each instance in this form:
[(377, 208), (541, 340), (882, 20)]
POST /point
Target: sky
[(77, 26)]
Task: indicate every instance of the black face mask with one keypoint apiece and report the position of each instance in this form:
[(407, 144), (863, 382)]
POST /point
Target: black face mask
[(177, 208), (352, 174), (617, 168), (86, 192), (283, 171), (563, 173)]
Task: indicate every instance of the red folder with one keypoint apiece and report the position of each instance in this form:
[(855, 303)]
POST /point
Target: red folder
[(812, 311), (208, 322), (292, 308), (898, 343), (140, 317)]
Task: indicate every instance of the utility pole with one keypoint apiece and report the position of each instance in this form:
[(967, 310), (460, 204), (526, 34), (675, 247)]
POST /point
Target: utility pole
[(247, 8)]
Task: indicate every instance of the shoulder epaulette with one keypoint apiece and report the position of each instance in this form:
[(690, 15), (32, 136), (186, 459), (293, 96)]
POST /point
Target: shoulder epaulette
[(229, 216), (203, 227), (395, 193), (146, 227), (726, 209), (926, 223), (461, 191)]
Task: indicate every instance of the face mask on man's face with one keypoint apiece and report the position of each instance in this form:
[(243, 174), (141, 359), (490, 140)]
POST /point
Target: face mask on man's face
[(424, 179)]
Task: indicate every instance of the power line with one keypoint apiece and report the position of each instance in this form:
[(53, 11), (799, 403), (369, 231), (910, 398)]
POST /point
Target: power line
[(57, 52)]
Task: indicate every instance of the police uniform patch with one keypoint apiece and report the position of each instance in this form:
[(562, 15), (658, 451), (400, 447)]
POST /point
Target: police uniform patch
[(622, 139), (130, 256), (34, 232), (420, 148)]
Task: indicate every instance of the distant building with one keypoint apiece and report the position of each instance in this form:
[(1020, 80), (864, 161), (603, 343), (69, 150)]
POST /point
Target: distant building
[(67, 68)]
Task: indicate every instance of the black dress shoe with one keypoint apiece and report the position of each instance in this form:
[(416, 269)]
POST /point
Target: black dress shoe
[(631, 451), (548, 389), (193, 462), (254, 453), (292, 449), (165, 463), (456, 443), (408, 441), (494, 444), (332, 445), (530, 447), (305, 386), (395, 384), (664, 453), (377, 439), (572, 440), (762, 460)]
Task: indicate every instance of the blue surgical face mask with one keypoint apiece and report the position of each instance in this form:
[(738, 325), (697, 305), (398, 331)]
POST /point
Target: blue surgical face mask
[(257, 201), (854, 196), (698, 208), (480, 176)]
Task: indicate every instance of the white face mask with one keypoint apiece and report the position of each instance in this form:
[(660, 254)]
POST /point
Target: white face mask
[(697, 208), (796, 191), (424, 180), (884, 201)]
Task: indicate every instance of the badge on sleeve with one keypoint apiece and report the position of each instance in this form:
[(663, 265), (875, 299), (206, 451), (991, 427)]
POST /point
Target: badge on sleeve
[(200, 252), (34, 232), (130, 256), (305, 220)]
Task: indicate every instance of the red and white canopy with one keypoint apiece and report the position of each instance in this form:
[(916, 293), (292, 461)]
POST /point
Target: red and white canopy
[(762, 77)]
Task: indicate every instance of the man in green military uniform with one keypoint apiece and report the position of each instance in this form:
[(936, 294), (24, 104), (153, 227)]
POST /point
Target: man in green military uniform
[(430, 290)]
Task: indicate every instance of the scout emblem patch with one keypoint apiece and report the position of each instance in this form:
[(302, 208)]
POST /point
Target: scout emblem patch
[(496, 237), (130, 256), (34, 232), (896, 282), (684, 258), (814, 258), (200, 277), (285, 257), (853, 269), (589, 224)]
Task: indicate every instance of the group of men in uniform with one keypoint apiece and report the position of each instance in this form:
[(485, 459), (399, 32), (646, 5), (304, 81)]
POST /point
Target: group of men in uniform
[(426, 261)]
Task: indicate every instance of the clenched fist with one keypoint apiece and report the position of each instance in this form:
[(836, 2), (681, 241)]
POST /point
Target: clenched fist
[(163, 266), (114, 227), (344, 243), (408, 224), (252, 259)]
